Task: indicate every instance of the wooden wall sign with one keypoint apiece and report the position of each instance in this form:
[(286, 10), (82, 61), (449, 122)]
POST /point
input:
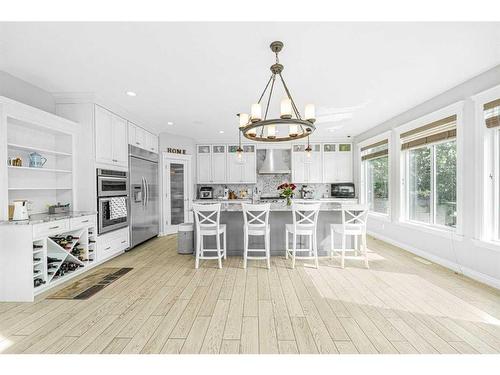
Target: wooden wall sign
[(176, 151)]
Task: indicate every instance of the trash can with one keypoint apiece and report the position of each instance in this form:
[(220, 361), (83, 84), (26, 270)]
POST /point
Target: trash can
[(185, 238)]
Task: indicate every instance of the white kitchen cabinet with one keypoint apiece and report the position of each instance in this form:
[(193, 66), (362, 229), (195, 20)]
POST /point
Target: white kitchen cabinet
[(111, 138), (203, 164), (141, 138), (241, 170), (151, 142), (306, 169), (112, 243), (337, 162), (119, 148), (218, 164), (103, 135)]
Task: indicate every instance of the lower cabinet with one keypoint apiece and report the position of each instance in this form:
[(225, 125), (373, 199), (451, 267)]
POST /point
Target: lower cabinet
[(112, 243)]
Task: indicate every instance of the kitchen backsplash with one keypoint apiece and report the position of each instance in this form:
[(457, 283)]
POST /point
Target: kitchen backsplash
[(267, 185)]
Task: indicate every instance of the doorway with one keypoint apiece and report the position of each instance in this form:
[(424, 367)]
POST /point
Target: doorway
[(176, 195)]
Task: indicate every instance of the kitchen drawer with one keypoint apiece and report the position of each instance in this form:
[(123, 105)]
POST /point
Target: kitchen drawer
[(47, 229), (112, 243), (82, 222)]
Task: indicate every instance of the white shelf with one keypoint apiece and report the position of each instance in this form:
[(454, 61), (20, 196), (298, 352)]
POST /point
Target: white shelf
[(40, 169), (41, 188), (41, 150)]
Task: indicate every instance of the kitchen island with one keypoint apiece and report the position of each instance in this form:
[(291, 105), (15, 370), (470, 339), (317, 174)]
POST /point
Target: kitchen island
[(280, 215)]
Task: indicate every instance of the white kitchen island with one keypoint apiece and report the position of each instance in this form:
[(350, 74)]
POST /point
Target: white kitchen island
[(280, 215)]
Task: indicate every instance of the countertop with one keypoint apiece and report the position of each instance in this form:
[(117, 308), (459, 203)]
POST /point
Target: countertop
[(45, 218), (327, 204)]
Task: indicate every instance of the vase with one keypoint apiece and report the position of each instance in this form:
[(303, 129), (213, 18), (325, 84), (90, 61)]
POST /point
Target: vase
[(288, 201)]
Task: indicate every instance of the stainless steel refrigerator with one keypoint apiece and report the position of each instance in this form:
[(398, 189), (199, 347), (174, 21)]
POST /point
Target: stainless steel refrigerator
[(144, 195)]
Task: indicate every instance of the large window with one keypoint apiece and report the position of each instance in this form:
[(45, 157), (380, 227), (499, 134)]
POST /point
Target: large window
[(375, 161), (431, 169), (492, 122)]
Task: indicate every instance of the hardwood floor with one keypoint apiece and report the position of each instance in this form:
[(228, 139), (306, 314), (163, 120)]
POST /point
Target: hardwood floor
[(164, 305)]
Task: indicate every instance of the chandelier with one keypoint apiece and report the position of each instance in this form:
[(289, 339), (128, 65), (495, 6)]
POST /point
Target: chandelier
[(291, 125)]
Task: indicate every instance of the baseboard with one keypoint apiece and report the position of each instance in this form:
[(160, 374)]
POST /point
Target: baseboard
[(473, 274)]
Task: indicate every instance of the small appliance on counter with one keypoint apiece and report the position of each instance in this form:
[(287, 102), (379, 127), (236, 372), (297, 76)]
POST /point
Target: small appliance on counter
[(20, 210), (307, 192), (343, 190), (59, 209), (206, 192)]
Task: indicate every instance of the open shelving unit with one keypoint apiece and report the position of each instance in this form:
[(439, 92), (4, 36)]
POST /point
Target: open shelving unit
[(25, 130)]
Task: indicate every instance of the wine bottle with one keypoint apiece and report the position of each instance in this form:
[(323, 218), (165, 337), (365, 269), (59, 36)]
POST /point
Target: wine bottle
[(38, 282)]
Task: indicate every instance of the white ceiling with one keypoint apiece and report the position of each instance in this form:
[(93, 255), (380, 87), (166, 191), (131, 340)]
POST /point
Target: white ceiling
[(199, 75)]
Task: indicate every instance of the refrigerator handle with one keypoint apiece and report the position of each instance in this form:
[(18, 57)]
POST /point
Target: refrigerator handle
[(143, 187), (147, 191)]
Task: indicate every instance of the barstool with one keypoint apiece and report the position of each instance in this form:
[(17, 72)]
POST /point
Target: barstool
[(354, 217), (305, 220), (256, 218), (207, 221)]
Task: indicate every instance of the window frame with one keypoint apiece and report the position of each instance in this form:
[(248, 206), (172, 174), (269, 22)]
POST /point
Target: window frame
[(487, 165), (363, 174), (453, 109)]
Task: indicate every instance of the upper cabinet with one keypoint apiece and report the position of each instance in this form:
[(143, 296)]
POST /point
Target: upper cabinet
[(111, 138), (337, 162), (244, 169), (306, 168), (141, 138), (220, 164), (204, 164)]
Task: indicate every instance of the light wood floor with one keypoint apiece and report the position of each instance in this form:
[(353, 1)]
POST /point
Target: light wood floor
[(400, 305)]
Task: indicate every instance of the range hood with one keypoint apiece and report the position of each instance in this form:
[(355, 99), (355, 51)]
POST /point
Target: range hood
[(277, 161)]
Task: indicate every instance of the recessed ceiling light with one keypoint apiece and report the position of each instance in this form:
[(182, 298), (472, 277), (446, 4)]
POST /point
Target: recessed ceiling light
[(170, 123), (131, 93), (221, 131)]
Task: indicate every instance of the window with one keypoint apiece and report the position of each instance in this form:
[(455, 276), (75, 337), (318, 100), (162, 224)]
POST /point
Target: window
[(492, 122), (375, 159), (431, 170)]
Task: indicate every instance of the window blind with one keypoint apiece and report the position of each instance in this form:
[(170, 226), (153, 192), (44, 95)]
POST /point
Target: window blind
[(375, 150), (436, 131), (492, 114)]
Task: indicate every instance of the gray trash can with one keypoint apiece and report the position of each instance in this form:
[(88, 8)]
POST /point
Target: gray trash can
[(185, 238)]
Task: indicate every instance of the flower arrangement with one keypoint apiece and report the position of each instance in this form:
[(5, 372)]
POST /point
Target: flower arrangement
[(286, 191)]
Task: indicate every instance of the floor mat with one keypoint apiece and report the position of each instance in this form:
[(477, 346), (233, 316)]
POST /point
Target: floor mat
[(90, 284)]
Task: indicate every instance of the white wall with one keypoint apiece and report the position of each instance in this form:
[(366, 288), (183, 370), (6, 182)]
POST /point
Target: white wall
[(462, 253), (24, 92)]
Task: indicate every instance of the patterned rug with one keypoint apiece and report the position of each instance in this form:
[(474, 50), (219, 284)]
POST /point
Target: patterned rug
[(90, 284)]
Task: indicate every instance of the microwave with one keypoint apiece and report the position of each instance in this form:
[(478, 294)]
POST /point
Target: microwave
[(343, 190)]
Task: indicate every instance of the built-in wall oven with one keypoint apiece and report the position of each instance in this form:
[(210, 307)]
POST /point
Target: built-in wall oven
[(112, 200)]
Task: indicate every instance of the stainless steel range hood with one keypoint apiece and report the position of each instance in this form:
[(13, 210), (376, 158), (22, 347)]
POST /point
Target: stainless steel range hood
[(277, 161)]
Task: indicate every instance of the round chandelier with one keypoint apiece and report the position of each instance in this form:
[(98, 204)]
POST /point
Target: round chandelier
[(291, 125)]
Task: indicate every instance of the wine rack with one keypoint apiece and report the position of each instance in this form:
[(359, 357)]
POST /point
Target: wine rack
[(59, 256), (39, 263)]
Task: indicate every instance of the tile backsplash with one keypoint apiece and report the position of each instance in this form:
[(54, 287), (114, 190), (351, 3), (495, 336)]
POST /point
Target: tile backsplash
[(267, 185)]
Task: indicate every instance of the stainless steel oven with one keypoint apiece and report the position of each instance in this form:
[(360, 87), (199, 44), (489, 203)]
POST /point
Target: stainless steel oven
[(112, 200), (111, 183)]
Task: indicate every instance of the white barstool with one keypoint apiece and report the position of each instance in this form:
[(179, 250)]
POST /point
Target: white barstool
[(207, 221), (256, 219), (305, 220), (354, 217)]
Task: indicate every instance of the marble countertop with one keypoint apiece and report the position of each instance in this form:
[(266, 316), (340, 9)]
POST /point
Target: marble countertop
[(45, 218), (327, 204)]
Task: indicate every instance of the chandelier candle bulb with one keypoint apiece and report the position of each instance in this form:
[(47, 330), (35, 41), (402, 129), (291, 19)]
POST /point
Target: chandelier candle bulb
[(293, 130), (271, 131), (310, 113), (244, 119), (286, 108), (256, 112)]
